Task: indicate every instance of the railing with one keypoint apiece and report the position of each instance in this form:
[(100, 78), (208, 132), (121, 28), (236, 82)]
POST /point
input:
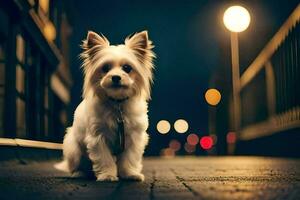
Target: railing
[(30, 143), (270, 86)]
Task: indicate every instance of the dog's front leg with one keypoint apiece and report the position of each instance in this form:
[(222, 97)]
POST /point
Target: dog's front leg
[(104, 166), (130, 161)]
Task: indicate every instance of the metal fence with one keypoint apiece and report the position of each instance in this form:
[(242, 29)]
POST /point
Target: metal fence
[(270, 86)]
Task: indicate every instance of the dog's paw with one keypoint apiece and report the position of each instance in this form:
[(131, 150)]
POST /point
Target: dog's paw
[(134, 177), (107, 177)]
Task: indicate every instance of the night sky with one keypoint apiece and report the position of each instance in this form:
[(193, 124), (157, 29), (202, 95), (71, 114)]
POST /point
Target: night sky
[(188, 37)]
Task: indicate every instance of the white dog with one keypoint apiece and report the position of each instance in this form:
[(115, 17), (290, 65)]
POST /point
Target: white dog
[(110, 124)]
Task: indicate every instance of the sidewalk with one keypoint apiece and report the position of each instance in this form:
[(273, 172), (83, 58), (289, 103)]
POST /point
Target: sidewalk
[(177, 178)]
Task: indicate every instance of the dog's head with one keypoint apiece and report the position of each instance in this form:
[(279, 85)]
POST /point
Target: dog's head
[(117, 71)]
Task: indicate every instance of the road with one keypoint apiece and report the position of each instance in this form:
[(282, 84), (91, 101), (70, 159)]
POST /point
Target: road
[(174, 178)]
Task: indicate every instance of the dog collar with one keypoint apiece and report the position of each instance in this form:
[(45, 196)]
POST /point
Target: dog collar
[(119, 143)]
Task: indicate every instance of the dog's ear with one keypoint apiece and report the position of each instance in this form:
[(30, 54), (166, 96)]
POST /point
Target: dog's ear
[(93, 39), (91, 46), (142, 47), (139, 42)]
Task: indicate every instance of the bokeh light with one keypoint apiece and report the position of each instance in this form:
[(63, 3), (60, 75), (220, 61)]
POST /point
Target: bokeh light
[(231, 137), (167, 152), (163, 126), (49, 31), (192, 139), (189, 148), (206, 142), (181, 126), (175, 145), (44, 4), (236, 18), (212, 97)]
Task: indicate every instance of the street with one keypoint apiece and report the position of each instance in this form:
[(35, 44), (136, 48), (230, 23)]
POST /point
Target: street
[(166, 178)]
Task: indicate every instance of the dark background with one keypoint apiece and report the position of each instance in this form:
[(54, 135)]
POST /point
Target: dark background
[(191, 43)]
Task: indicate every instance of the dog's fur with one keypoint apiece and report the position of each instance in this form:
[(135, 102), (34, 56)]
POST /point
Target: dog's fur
[(95, 121)]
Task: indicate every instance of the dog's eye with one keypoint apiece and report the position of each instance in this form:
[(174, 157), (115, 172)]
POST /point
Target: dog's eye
[(106, 68), (127, 68)]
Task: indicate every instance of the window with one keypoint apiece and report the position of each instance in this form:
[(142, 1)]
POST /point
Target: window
[(20, 87)]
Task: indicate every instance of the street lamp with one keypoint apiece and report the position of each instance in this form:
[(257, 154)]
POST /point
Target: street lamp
[(236, 19)]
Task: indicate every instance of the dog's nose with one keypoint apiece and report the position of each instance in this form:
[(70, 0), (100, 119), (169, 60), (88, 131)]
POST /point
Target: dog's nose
[(115, 79)]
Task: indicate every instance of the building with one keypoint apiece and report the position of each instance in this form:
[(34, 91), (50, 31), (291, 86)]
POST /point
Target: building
[(34, 68)]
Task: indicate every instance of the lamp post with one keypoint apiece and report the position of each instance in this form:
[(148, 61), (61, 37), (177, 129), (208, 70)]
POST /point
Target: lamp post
[(236, 19)]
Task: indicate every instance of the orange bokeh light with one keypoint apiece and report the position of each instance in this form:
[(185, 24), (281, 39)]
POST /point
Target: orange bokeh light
[(212, 97), (167, 152)]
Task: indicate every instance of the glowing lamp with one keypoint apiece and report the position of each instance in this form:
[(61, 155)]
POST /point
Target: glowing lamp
[(236, 18), (213, 97)]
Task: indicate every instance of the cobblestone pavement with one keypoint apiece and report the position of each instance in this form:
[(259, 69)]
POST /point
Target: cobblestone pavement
[(176, 178)]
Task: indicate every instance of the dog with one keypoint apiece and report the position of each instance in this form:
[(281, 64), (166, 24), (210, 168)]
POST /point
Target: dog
[(109, 126)]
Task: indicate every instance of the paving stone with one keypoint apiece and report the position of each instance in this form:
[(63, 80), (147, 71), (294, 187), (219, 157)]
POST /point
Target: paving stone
[(178, 178)]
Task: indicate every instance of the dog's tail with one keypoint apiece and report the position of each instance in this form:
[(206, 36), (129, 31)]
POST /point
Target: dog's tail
[(62, 166)]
